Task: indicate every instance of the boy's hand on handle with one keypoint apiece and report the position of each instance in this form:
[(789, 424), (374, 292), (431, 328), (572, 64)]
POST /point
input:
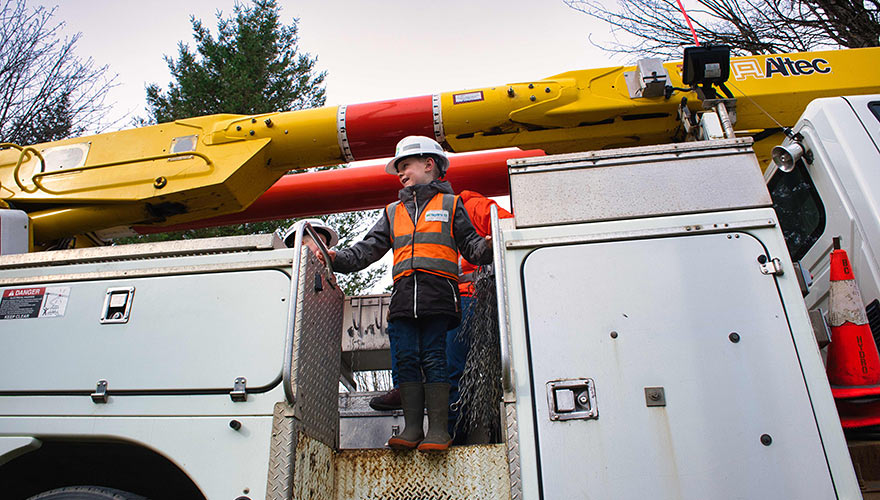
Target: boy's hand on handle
[(489, 239), (331, 253)]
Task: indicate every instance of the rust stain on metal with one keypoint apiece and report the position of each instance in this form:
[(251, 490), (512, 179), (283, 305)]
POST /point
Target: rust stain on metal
[(313, 471), (464, 472), (665, 443)]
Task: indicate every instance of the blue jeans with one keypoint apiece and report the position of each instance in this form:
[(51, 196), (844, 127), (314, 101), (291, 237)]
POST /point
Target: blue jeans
[(456, 355), (419, 344), (456, 350), (392, 339)]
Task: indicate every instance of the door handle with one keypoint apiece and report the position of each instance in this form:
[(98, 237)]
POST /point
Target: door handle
[(572, 399)]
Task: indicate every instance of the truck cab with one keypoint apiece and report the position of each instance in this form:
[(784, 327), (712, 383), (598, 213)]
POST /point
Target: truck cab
[(832, 191)]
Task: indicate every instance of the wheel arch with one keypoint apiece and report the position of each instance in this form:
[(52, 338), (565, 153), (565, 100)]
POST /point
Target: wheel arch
[(116, 464)]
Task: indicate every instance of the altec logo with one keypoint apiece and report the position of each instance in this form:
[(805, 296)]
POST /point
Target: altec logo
[(778, 66)]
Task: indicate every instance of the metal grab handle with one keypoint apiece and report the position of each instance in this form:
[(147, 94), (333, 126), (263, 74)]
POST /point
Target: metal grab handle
[(504, 334), (21, 156), (37, 178)]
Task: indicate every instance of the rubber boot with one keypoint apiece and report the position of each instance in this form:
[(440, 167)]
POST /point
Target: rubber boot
[(437, 402), (386, 402), (412, 397)]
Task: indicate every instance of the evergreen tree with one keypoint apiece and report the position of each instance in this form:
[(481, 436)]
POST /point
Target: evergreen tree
[(253, 66)]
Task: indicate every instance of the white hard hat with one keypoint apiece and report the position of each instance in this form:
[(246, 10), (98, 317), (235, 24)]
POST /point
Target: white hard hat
[(318, 225), (416, 145)]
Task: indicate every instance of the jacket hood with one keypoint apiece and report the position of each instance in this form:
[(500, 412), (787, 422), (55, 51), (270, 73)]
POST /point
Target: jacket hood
[(425, 191)]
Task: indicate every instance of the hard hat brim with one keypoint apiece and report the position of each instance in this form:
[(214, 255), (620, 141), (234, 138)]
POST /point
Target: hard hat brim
[(318, 226), (442, 163), (391, 166), (332, 237)]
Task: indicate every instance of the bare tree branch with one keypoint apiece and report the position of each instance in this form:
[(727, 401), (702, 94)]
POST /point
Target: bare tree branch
[(658, 28), (46, 92)]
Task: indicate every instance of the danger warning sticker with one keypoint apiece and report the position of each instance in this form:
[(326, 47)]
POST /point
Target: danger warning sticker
[(36, 302)]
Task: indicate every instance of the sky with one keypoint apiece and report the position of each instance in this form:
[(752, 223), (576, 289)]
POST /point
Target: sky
[(371, 50)]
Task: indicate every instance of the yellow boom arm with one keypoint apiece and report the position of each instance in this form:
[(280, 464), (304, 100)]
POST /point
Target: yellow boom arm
[(203, 167)]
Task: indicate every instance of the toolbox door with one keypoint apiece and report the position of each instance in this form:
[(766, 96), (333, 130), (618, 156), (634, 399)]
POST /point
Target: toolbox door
[(666, 368), (176, 332)]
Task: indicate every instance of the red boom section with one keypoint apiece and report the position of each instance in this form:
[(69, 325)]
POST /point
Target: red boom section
[(358, 188), (374, 128)]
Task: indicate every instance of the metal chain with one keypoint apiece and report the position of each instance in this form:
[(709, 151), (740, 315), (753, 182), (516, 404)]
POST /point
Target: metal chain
[(480, 385)]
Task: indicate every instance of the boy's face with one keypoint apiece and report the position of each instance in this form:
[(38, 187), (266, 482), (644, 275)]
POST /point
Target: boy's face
[(414, 170)]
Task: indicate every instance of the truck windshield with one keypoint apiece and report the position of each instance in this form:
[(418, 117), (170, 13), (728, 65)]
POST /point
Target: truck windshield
[(799, 208)]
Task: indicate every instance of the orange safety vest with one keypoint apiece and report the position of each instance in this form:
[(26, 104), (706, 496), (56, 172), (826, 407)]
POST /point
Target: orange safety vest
[(429, 246)]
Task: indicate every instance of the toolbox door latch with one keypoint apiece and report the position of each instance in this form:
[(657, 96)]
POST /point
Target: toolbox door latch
[(239, 390), (572, 399), (100, 395)]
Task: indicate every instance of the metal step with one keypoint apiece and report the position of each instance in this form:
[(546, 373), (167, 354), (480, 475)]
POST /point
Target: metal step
[(363, 427), (473, 472)]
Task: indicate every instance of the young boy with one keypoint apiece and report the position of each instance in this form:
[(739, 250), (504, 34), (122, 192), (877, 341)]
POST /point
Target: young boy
[(427, 229)]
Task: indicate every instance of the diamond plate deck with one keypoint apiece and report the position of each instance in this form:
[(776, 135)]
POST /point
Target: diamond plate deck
[(464, 472)]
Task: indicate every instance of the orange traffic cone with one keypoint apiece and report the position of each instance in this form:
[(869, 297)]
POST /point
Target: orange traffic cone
[(853, 364), (858, 412)]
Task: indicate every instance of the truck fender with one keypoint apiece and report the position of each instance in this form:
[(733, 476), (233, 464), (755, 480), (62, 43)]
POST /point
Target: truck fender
[(12, 447)]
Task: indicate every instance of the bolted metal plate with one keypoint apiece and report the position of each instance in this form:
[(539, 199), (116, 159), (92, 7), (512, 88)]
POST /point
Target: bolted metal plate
[(299, 466), (512, 439), (464, 472), (655, 396), (316, 352), (281, 453)]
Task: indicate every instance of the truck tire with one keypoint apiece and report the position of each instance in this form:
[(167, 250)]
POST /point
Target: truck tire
[(86, 493)]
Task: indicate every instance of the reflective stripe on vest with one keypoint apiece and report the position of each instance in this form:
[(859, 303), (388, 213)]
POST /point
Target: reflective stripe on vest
[(430, 245), (470, 275)]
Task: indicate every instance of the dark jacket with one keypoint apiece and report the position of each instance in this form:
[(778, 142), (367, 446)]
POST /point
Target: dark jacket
[(419, 294)]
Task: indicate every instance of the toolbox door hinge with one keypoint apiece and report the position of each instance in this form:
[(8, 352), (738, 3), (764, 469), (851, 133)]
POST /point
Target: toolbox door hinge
[(771, 266)]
